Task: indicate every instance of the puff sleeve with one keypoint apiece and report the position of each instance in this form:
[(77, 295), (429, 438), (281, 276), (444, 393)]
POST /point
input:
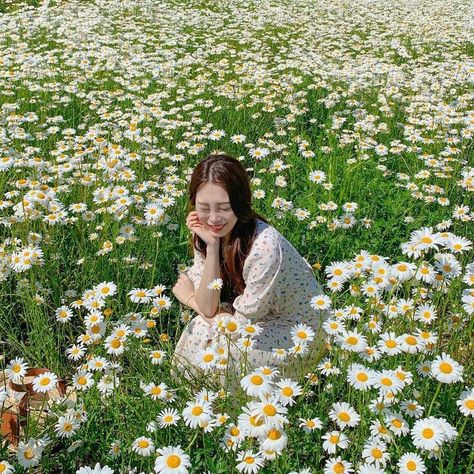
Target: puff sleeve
[(194, 272), (260, 272)]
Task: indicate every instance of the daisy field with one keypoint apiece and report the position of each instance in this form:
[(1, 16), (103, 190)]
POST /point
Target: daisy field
[(355, 123)]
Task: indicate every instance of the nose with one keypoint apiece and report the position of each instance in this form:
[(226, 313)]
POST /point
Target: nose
[(214, 220)]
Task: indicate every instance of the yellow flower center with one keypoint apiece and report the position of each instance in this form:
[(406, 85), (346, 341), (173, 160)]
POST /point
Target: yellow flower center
[(256, 380), (196, 411), (397, 423), (173, 461), (287, 391), (231, 326), (274, 434), (445, 368), (95, 329), (427, 433), (116, 343), (469, 404), (339, 468), (377, 453), (29, 453), (269, 410), (400, 376), (344, 416), (362, 377), (254, 421)]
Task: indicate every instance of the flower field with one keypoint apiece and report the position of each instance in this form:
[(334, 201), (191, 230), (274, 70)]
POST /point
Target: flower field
[(355, 122)]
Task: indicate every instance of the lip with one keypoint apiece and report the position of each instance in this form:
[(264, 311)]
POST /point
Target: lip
[(216, 229)]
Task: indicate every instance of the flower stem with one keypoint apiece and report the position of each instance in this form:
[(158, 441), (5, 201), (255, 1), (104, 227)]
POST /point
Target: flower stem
[(433, 400)]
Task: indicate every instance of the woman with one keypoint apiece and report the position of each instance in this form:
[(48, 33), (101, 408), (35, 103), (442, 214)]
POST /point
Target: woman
[(265, 280)]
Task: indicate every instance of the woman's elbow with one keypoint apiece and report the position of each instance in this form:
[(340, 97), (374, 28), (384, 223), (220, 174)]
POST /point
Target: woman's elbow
[(210, 314)]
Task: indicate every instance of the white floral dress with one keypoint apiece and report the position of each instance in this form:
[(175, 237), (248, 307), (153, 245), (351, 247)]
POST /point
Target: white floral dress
[(279, 287)]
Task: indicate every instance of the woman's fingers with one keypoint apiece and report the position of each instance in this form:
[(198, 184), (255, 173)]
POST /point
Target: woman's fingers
[(192, 219)]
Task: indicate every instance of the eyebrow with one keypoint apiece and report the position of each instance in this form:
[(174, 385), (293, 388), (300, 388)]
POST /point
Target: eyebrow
[(206, 204)]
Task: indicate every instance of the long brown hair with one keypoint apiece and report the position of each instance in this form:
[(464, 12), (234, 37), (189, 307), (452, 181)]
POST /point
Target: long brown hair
[(228, 173)]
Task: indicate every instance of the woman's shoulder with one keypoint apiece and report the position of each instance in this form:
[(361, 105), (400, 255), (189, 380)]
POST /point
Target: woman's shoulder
[(266, 237), (266, 229)]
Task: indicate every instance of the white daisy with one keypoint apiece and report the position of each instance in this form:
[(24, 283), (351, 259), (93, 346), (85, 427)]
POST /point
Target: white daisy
[(196, 413), (446, 370), (337, 466), (249, 462), (320, 302), (360, 377), (44, 382), (344, 415), (16, 369), (334, 440), (65, 427), (287, 391), (411, 463), (172, 460), (427, 434), (255, 384), (310, 424), (168, 417), (302, 333), (466, 402), (143, 446)]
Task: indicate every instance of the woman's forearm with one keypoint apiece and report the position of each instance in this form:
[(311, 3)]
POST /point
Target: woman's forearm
[(191, 303), (208, 300)]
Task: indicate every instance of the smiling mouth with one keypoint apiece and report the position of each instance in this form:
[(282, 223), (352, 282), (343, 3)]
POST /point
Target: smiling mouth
[(216, 228)]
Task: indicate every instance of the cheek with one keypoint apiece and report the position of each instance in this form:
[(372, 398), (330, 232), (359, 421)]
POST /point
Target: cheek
[(202, 216)]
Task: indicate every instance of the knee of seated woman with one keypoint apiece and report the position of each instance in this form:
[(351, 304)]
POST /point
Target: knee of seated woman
[(213, 320)]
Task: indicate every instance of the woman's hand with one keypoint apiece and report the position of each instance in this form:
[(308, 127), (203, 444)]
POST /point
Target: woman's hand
[(183, 288), (195, 225)]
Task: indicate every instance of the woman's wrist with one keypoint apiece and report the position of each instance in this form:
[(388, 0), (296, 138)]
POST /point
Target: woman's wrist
[(187, 301), (215, 247)]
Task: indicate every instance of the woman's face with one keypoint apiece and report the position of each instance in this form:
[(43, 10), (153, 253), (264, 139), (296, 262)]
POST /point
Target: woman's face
[(214, 210)]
